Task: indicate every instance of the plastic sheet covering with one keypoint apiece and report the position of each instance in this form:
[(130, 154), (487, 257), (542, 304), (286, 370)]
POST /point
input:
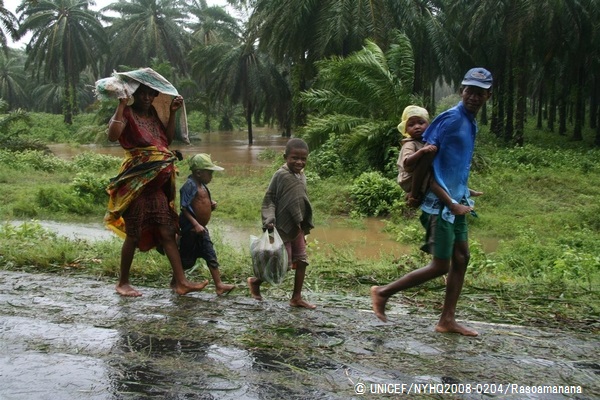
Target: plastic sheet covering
[(124, 84)]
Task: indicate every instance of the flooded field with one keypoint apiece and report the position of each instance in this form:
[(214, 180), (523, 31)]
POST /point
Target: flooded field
[(228, 149), (368, 243), (68, 338), (231, 150)]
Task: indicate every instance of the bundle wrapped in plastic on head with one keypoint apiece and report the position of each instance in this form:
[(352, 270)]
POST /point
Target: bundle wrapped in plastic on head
[(121, 84)]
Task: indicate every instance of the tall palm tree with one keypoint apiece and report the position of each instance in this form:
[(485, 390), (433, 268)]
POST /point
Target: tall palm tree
[(417, 18), (147, 29), (582, 53), (305, 31), (358, 99), (499, 36), (238, 73), (211, 25), (66, 38), (8, 25), (13, 80)]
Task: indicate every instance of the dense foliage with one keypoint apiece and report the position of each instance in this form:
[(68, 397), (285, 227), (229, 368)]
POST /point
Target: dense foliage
[(263, 54)]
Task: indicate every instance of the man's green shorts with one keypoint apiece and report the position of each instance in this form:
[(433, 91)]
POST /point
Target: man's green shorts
[(441, 235)]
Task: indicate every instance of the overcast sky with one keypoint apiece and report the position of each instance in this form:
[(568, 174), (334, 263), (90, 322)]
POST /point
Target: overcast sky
[(12, 5)]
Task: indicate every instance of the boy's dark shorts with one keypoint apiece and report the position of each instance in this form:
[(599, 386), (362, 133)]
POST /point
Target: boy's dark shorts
[(193, 246), (441, 235)]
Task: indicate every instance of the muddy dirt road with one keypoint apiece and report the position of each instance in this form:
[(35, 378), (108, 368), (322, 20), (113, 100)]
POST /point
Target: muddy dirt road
[(74, 338)]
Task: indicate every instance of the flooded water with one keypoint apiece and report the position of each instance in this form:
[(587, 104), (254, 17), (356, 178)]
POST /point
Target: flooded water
[(368, 243), (228, 149), (64, 337), (231, 150)]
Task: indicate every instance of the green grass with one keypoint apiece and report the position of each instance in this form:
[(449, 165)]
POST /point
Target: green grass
[(539, 204)]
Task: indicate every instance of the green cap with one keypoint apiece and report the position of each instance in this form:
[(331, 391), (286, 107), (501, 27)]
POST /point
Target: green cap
[(203, 161)]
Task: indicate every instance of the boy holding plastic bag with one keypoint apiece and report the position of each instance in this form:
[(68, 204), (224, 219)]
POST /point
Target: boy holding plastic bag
[(286, 210)]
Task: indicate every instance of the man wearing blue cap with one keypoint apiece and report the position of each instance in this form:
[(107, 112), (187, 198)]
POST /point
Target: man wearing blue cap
[(453, 132)]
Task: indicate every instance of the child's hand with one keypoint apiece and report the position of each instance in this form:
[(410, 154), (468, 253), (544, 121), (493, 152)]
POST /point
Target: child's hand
[(429, 148), (199, 229), (474, 193), (460, 209)]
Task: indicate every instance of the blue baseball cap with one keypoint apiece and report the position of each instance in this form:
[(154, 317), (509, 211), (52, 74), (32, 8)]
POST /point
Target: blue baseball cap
[(479, 77)]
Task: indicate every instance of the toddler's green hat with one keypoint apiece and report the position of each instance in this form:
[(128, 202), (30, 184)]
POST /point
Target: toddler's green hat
[(203, 161)]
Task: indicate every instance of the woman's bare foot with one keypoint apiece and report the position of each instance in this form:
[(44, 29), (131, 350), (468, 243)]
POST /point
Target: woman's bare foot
[(302, 303), (224, 289), (378, 303), (186, 287), (453, 327), (254, 288), (127, 290)]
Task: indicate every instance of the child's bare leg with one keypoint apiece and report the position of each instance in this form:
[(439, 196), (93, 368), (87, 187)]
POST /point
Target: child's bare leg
[(221, 288), (254, 285), (419, 176), (179, 283), (297, 300), (123, 287), (381, 294)]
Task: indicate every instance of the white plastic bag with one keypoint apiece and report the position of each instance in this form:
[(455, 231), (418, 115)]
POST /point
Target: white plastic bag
[(269, 257)]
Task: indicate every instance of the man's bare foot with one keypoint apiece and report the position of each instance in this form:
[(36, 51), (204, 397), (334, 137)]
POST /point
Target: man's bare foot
[(254, 288), (224, 289), (302, 303), (454, 327), (127, 291), (378, 303), (186, 287)]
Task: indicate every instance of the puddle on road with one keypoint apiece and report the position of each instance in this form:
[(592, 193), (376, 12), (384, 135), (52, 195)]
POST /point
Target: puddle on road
[(73, 338)]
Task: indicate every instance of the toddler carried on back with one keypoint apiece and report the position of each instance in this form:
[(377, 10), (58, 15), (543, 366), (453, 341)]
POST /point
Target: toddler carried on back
[(416, 156)]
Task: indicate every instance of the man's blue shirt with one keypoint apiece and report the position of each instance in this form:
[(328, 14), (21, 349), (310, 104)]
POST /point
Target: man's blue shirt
[(453, 132)]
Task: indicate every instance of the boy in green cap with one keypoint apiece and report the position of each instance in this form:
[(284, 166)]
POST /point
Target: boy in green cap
[(196, 208)]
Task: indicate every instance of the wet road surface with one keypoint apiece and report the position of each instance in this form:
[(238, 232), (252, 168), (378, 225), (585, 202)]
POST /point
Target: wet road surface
[(73, 338)]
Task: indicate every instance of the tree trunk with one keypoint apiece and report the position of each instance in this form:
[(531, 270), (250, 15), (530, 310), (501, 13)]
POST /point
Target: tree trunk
[(249, 122), (497, 124), (299, 78), (67, 103), (521, 111), (207, 122), (562, 112), (552, 106), (594, 102), (510, 107), (579, 105), (597, 141), (540, 107)]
